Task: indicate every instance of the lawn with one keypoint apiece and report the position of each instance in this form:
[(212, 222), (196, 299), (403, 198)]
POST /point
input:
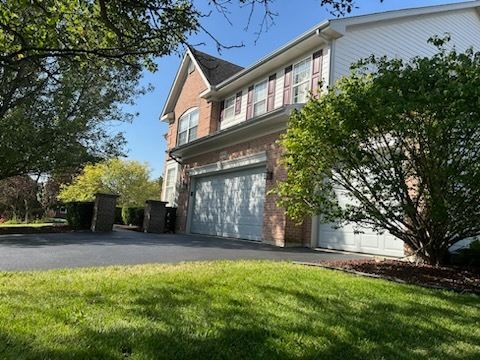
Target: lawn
[(33, 225), (229, 310)]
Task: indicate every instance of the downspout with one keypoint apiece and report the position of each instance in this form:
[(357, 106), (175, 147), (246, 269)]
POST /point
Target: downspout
[(176, 159)]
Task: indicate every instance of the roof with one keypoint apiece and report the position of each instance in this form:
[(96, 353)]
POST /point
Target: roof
[(212, 70), (215, 69), (222, 77), (334, 28)]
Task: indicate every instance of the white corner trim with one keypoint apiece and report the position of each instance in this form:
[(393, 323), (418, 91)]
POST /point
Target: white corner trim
[(244, 161)]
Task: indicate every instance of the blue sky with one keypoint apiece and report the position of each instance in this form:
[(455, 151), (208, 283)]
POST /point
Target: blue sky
[(145, 134)]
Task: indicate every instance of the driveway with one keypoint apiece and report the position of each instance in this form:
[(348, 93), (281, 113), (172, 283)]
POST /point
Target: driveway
[(51, 251)]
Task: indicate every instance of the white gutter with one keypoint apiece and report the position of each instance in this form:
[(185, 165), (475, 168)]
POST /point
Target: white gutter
[(313, 31)]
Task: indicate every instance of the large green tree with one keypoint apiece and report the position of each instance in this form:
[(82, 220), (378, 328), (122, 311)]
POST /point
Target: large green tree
[(127, 178), (67, 65), (401, 139)]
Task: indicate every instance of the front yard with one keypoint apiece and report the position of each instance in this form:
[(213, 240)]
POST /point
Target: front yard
[(235, 310)]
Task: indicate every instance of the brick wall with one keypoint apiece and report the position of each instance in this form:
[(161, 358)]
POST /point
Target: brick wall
[(209, 112), (277, 228)]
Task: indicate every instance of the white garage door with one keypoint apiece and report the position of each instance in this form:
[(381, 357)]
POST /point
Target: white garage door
[(368, 241), (230, 204)]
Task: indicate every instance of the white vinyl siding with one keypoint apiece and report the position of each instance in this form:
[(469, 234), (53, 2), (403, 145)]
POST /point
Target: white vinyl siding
[(302, 77), (278, 101), (187, 127), (260, 98), (405, 38)]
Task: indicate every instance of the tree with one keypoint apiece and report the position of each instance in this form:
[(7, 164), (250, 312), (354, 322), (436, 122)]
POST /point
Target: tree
[(18, 198), (401, 139), (127, 178), (75, 61)]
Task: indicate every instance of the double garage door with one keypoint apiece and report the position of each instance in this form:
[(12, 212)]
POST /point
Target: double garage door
[(364, 241), (229, 204)]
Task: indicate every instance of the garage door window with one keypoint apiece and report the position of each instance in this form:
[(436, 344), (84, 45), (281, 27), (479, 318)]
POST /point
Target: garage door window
[(187, 129)]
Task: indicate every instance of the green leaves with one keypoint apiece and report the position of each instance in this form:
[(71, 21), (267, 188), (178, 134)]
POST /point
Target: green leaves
[(402, 141), (129, 179)]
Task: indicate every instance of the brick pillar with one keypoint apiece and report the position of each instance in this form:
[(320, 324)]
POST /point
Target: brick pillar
[(154, 219), (104, 212)]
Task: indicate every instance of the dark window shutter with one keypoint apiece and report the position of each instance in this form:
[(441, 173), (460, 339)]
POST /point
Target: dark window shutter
[(238, 103), (287, 86), (271, 92), (222, 107), (250, 102), (316, 71)]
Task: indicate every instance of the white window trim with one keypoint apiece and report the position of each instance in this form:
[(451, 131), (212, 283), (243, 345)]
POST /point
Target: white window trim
[(233, 107), (171, 165), (265, 99), (225, 165), (308, 80), (185, 114)]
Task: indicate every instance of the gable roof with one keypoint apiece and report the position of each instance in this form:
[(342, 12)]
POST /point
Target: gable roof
[(222, 77), (213, 71), (328, 30)]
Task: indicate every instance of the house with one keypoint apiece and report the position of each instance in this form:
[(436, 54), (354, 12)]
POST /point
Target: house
[(224, 121)]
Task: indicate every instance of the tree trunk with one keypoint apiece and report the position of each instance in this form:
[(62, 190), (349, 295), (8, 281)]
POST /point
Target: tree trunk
[(434, 255)]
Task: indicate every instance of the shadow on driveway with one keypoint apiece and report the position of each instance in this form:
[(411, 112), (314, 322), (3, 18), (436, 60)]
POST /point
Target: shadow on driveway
[(61, 250)]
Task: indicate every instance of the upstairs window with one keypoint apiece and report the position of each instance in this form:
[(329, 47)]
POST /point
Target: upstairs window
[(187, 127), (260, 98), (301, 81), (229, 108)]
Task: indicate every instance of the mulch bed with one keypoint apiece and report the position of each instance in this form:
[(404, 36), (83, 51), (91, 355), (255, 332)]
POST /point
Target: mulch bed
[(35, 230), (460, 279)]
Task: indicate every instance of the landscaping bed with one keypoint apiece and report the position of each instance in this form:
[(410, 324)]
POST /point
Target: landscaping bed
[(34, 229), (456, 278)]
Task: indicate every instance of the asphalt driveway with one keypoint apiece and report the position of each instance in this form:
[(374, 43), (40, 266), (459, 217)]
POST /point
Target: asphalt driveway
[(51, 251)]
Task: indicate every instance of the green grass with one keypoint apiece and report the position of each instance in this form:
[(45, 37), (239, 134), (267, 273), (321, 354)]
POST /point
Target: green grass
[(229, 310), (33, 225)]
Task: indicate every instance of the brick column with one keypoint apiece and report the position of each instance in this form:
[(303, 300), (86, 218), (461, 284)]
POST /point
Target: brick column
[(104, 212), (154, 219)]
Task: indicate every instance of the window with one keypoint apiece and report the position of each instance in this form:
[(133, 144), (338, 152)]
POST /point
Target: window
[(301, 81), (229, 108), (187, 127), (260, 98), (170, 184)]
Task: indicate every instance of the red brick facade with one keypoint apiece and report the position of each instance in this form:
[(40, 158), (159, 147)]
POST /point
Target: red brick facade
[(277, 228)]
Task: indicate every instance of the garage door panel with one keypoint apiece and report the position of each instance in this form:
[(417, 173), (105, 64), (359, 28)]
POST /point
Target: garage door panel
[(230, 204), (365, 240)]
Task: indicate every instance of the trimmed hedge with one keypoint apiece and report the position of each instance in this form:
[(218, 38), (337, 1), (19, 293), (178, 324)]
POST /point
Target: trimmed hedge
[(118, 216), (133, 216), (80, 214)]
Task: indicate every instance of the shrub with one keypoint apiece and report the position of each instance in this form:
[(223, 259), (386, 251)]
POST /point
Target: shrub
[(133, 216), (80, 214), (118, 216)]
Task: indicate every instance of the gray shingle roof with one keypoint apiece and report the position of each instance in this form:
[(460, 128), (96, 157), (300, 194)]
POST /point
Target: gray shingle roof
[(216, 70)]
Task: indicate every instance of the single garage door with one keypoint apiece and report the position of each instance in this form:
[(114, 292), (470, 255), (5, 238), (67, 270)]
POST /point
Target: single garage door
[(368, 241), (230, 204)]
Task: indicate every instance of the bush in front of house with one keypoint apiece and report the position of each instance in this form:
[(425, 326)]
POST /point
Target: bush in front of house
[(80, 214), (133, 215)]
